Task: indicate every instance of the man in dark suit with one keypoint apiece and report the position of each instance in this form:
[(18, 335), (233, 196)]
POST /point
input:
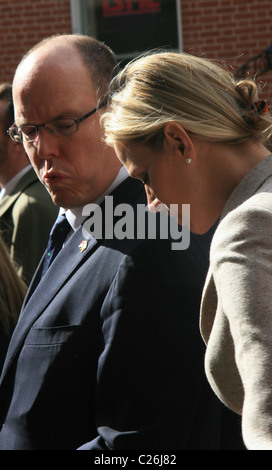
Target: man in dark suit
[(26, 210), (107, 353)]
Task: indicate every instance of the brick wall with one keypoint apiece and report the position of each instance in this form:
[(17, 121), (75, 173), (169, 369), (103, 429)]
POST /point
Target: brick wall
[(233, 31), (23, 23), (230, 30)]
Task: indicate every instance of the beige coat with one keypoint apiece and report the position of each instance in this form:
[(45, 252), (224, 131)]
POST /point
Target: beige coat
[(236, 311)]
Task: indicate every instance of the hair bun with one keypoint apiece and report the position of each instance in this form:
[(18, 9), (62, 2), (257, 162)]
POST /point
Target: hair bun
[(248, 91)]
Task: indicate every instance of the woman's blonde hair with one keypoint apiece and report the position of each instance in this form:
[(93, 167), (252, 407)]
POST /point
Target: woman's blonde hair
[(196, 92)]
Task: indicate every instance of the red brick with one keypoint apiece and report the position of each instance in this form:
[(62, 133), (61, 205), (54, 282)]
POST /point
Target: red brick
[(220, 29)]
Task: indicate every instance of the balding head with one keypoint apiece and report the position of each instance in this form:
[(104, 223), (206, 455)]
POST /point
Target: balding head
[(50, 68), (99, 60)]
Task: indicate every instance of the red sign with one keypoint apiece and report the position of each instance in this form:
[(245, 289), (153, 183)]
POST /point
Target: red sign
[(129, 7)]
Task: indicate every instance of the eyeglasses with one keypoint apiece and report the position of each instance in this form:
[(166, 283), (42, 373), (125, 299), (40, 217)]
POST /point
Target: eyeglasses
[(58, 128)]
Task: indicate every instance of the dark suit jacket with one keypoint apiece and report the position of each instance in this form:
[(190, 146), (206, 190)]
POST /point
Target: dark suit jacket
[(107, 352), (26, 217)]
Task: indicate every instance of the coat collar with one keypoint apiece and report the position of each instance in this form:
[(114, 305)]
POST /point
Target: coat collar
[(27, 180), (249, 185)]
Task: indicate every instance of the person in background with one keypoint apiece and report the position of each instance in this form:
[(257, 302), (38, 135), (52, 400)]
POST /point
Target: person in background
[(26, 210), (193, 134), (12, 293), (106, 350)]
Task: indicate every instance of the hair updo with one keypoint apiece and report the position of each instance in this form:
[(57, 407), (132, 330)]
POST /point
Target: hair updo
[(195, 92)]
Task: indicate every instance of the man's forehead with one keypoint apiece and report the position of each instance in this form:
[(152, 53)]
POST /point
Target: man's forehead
[(48, 84), (48, 66)]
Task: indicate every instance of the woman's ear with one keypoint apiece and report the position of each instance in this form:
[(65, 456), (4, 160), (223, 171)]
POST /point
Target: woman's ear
[(177, 140)]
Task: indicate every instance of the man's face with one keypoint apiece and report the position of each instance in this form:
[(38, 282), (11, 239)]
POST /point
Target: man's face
[(75, 169)]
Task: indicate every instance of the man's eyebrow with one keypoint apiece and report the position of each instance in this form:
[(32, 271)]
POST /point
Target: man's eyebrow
[(63, 115)]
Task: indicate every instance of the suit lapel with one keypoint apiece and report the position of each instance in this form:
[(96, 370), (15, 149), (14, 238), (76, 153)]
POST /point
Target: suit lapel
[(249, 186), (55, 278), (58, 272), (7, 202), (28, 179)]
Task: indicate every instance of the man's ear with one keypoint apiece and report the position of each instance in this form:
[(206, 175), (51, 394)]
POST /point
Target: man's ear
[(179, 140)]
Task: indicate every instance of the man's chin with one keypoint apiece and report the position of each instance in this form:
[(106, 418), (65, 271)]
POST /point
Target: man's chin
[(58, 198)]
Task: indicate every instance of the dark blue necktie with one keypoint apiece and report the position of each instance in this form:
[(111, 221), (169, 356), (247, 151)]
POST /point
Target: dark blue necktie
[(57, 237)]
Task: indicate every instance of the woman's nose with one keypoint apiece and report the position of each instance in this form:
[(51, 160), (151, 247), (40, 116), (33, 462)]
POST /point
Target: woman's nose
[(154, 205)]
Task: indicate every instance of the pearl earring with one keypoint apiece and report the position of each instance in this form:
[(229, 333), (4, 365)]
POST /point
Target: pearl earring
[(188, 160)]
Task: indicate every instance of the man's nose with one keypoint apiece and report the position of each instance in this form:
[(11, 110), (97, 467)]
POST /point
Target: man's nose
[(46, 144)]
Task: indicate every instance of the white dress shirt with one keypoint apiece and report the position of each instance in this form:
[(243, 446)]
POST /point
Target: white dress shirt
[(75, 217)]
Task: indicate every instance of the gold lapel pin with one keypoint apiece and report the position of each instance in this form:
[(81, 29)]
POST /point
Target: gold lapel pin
[(83, 245)]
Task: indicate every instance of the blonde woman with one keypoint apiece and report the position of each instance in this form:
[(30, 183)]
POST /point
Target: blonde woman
[(193, 135), (12, 293)]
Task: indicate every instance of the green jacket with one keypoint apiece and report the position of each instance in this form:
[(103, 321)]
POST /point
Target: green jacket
[(26, 217)]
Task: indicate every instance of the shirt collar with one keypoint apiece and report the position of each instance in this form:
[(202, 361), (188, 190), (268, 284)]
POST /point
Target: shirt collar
[(75, 217)]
